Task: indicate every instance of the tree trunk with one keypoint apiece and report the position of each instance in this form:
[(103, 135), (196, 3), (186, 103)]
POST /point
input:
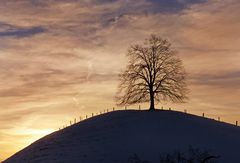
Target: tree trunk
[(151, 101)]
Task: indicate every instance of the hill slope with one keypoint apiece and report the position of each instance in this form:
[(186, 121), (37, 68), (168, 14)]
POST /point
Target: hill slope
[(115, 136)]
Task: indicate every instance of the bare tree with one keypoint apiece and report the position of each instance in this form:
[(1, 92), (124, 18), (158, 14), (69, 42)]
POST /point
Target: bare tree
[(192, 155), (154, 73)]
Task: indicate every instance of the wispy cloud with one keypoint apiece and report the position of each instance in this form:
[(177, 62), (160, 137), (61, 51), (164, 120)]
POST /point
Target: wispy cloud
[(53, 50), (7, 30), (226, 80)]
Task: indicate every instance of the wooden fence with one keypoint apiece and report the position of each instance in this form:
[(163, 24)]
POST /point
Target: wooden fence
[(74, 121)]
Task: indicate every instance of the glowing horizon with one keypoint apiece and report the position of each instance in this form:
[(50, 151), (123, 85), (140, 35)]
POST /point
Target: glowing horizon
[(61, 59)]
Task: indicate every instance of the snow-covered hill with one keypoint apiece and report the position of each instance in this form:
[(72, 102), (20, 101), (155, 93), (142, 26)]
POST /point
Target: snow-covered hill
[(115, 136)]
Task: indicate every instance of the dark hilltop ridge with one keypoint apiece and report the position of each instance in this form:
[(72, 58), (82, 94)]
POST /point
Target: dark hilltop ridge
[(115, 136)]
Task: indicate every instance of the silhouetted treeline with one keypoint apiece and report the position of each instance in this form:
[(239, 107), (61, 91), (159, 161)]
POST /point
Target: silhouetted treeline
[(192, 155)]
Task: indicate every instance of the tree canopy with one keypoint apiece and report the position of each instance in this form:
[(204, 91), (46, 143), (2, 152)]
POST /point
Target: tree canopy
[(154, 73)]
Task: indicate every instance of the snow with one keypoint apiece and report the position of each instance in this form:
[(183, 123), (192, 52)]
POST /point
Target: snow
[(115, 136)]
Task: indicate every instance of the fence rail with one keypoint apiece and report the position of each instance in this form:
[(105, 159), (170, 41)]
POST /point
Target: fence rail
[(74, 121)]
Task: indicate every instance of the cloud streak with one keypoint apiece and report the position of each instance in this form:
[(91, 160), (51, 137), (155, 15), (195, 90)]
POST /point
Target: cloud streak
[(51, 51), (11, 31)]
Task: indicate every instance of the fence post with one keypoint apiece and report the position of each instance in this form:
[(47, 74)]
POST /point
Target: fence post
[(162, 107), (139, 107), (236, 123), (203, 114), (75, 120), (92, 114), (218, 118), (86, 116), (70, 123), (125, 107), (113, 108), (185, 111), (169, 108)]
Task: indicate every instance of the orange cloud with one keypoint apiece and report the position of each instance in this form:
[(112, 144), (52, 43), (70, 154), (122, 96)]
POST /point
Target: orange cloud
[(70, 67)]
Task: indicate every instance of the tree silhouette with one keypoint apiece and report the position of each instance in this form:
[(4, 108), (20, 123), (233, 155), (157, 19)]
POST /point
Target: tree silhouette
[(154, 73), (192, 155)]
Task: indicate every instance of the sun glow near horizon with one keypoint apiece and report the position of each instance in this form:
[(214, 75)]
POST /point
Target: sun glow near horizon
[(60, 59)]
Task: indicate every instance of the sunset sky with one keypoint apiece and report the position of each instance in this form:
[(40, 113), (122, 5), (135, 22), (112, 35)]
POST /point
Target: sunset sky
[(60, 59)]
